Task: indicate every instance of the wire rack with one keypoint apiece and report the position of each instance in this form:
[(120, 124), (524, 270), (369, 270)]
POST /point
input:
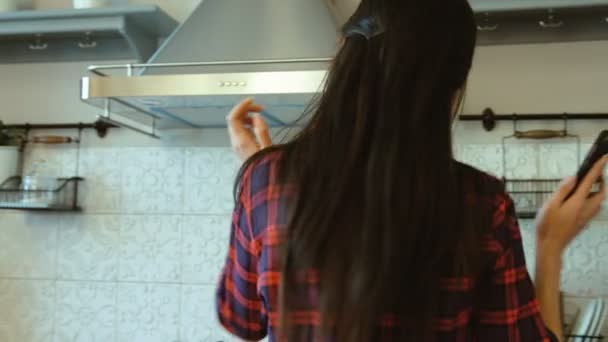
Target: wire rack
[(530, 194), (62, 197), (583, 338)]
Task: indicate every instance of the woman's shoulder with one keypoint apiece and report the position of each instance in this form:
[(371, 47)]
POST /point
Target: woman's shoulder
[(260, 171), (480, 182), (488, 194)]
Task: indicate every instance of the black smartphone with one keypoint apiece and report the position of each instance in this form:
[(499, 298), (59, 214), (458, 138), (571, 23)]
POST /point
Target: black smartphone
[(598, 150)]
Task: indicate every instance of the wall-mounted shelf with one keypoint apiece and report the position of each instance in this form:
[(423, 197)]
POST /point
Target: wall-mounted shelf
[(130, 32), (540, 21)]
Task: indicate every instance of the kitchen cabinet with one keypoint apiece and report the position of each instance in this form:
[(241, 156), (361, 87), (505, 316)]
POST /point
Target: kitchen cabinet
[(521, 5), (524, 21), (540, 21), (128, 32)]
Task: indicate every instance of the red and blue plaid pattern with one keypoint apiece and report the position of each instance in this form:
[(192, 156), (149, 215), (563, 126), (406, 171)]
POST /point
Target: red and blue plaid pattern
[(499, 306)]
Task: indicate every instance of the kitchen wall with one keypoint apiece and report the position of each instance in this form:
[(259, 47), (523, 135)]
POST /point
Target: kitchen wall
[(141, 262), (139, 265)]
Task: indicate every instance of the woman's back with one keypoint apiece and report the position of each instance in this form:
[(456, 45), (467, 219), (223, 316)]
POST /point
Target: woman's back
[(497, 305), (362, 227)]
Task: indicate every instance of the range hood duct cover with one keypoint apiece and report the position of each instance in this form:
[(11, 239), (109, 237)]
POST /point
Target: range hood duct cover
[(245, 30)]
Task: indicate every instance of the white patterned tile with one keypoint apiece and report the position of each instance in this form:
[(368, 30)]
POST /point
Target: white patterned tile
[(54, 161), (600, 231), (585, 148), (27, 310), (89, 247), (585, 272), (558, 160), (153, 180), (228, 164), (86, 312), (148, 313), (521, 161), (210, 175), (528, 235), (486, 157), (101, 190), (150, 248), (204, 248), (199, 316), (28, 245)]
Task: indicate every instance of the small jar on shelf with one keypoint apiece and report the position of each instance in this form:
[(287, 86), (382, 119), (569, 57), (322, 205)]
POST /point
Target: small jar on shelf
[(91, 3)]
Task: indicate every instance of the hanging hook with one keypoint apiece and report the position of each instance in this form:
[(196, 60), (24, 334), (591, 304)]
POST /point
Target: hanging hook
[(39, 43), (552, 21), (485, 23), (87, 41), (488, 119)]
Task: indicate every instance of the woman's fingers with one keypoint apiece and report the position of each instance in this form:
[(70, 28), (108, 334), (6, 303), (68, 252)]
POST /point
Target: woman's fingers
[(262, 133), (248, 131), (587, 183), (565, 189), (241, 110), (598, 198)]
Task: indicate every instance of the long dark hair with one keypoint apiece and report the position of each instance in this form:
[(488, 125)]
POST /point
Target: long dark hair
[(379, 209)]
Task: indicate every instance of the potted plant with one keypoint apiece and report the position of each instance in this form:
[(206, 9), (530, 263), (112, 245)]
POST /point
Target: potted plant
[(10, 140), (8, 5)]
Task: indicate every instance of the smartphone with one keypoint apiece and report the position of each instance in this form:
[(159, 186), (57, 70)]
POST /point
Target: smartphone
[(598, 150)]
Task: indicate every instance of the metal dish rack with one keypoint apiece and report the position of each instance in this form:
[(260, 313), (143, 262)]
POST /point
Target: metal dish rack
[(583, 338), (62, 198), (529, 195), (42, 193)]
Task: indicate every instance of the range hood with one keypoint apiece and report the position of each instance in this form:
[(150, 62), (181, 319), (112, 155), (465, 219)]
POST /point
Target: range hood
[(278, 51), (274, 50)]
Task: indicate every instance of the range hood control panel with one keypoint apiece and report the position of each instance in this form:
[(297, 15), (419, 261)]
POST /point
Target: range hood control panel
[(241, 84)]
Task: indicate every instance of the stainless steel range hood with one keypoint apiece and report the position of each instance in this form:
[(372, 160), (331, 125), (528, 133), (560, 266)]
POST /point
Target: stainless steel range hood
[(274, 50), (278, 50)]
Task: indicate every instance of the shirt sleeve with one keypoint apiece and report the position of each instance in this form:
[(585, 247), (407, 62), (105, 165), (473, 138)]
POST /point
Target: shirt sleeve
[(507, 308), (239, 306)]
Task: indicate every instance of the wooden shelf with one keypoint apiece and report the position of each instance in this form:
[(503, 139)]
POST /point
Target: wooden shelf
[(114, 33)]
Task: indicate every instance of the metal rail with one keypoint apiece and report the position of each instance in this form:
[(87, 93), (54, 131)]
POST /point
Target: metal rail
[(100, 126), (489, 118), (129, 67)]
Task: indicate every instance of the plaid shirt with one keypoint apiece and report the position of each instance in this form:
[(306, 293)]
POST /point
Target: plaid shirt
[(506, 308)]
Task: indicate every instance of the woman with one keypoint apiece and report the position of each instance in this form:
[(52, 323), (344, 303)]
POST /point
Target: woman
[(364, 228)]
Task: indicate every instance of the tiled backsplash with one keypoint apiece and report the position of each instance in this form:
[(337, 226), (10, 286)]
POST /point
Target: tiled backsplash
[(141, 263)]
